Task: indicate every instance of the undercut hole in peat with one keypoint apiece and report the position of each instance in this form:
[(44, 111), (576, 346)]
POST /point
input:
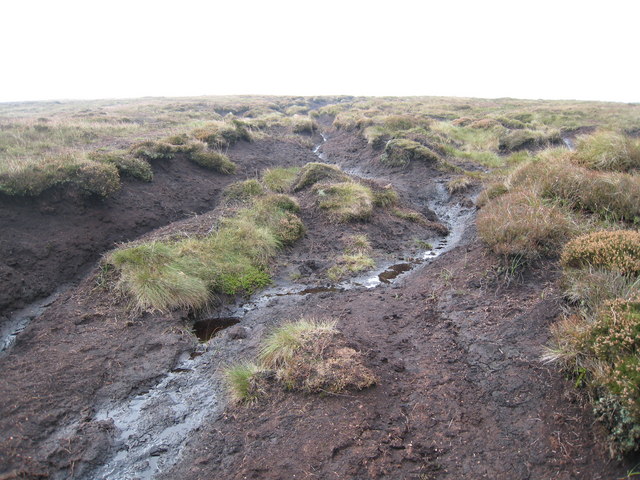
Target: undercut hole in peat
[(207, 328)]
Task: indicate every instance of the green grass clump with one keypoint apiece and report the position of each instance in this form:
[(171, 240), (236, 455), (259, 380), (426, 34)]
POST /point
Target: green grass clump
[(394, 126), (223, 134), (302, 124), (165, 275), (195, 150), (405, 122), (308, 355), (89, 177), (385, 197), (400, 152), (484, 123), (276, 212), (488, 159), (159, 277), (153, 150), (244, 190), (179, 139), (215, 161), (278, 201), (349, 121), (520, 224), (471, 139), (608, 151), (280, 179), (127, 165), (376, 135), (459, 184), (280, 347), (491, 191), (511, 123), (241, 382), (315, 172), (527, 139), (610, 250), (357, 243), (345, 201)]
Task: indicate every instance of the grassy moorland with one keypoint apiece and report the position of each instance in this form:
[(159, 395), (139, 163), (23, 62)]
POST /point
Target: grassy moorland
[(543, 202)]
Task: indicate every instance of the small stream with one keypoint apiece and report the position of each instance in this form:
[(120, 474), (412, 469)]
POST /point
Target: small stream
[(154, 426), (19, 320), (569, 143)]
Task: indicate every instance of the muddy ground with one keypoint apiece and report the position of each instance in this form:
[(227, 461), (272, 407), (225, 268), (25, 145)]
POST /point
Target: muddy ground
[(91, 390)]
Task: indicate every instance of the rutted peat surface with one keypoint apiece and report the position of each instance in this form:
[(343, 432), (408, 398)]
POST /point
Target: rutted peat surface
[(154, 426), (461, 392), (55, 239)]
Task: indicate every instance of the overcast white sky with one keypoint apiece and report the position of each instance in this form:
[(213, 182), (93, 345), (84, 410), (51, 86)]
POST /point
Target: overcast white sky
[(67, 49)]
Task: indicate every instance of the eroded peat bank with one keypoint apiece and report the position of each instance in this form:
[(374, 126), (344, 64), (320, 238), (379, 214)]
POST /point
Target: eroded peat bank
[(307, 288)]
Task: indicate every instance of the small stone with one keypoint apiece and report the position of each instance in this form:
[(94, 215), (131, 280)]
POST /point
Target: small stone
[(398, 365), (237, 332), (158, 450)]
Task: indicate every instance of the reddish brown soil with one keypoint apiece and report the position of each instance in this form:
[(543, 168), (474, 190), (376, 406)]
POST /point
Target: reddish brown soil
[(461, 391)]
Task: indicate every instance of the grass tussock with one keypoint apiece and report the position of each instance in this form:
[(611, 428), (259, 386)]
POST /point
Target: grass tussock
[(127, 165), (516, 140), (385, 197), (280, 179), (345, 201), (242, 383), (377, 136), (215, 161), (401, 152), (165, 275), (223, 134), (310, 356), (608, 151), (89, 177), (245, 190), (151, 150), (459, 184), (588, 288), (350, 121), (611, 195), (520, 224), (194, 150), (303, 124), (315, 172)]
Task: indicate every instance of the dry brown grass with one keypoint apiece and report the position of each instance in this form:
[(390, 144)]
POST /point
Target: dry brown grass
[(611, 195), (521, 224), (608, 151), (312, 356)]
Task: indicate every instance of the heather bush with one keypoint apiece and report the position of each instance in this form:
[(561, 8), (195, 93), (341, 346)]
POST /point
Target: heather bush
[(617, 250)]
